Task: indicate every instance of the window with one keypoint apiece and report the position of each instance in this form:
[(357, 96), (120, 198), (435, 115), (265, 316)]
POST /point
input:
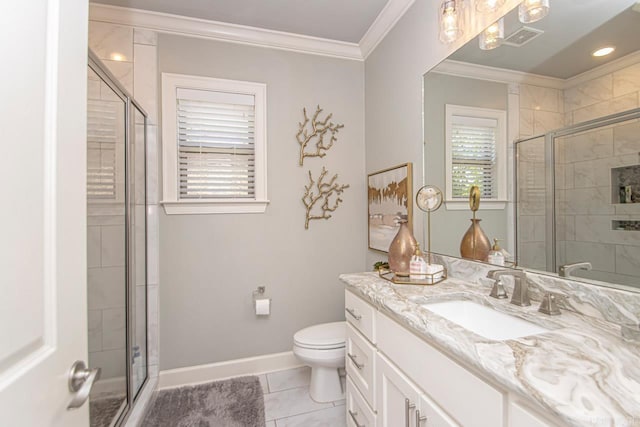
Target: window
[(105, 170), (475, 155), (214, 145)]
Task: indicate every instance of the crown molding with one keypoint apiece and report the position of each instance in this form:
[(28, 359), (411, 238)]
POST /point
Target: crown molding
[(608, 68), (181, 25), (500, 75), (385, 21)]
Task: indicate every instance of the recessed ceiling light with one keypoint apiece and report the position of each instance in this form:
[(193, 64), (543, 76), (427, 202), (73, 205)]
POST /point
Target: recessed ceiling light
[(604, 51), (117, 56)]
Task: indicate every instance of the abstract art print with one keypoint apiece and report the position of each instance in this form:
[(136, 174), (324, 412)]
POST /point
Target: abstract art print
[(390, 200)]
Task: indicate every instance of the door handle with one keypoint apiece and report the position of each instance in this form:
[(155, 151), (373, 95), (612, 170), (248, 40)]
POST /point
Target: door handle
[(407, 406), (81, 380)]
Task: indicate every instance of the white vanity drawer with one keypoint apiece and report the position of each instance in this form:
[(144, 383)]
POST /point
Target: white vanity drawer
[(469, 399), (360, 364), (359, 414), (361, 315)]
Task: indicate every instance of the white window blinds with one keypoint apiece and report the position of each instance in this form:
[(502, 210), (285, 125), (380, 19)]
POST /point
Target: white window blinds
[(102, 135), (473, 156), (216, 144)]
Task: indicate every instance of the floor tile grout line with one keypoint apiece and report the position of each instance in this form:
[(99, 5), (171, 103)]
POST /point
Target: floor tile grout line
[(304, 413)]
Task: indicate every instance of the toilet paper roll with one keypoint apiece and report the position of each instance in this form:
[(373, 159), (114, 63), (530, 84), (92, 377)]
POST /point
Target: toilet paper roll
[(263, 307)]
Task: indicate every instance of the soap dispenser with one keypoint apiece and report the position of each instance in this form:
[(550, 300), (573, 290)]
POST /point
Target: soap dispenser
[(496, 257), (417, 266)]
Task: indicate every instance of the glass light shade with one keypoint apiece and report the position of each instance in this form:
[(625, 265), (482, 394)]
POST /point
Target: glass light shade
[(488, 5), (451, 20), (493, 36), (533, 10)]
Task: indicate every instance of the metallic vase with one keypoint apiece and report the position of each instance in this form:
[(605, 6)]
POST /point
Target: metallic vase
[(401, 249), (475, 244)]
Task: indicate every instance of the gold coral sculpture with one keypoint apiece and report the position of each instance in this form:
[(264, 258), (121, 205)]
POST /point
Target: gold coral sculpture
[(319, 130), (323, 193)]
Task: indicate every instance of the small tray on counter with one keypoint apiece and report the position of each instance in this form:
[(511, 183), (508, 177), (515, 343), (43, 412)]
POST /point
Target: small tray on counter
[(390, 276)]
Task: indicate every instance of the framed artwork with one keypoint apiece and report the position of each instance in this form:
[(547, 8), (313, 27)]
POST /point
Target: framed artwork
[(390, 198)]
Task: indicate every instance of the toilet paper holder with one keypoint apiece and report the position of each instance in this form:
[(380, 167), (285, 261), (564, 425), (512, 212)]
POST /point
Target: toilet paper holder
[(261, 303)]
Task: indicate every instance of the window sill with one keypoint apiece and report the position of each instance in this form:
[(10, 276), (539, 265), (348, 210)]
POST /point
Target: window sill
[(485, 205), (203, 207)]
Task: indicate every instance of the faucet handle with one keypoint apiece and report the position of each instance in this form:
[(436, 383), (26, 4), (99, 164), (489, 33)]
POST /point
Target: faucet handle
[(498, 291), (549, 305)]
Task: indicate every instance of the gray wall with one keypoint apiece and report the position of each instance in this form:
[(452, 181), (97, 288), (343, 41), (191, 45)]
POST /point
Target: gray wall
[(210, 264), (448, 226), (393, 86)]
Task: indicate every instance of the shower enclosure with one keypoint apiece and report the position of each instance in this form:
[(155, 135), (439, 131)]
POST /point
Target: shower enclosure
[(116, 245), (578, 199)]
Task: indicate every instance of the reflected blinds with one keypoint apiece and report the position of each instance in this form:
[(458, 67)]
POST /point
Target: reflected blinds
[(216, 144), (473, 152), (102, 135)]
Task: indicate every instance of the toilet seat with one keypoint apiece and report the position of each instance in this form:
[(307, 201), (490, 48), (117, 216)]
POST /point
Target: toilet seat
[(326, 336)]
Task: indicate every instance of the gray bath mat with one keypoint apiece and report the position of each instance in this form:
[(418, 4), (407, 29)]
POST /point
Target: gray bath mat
[(237, 402)]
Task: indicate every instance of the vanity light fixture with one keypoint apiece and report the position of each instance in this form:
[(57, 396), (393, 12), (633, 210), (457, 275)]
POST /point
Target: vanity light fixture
[(603, 51), (533, 10), (451, 20), (484, 6), (493, 36)]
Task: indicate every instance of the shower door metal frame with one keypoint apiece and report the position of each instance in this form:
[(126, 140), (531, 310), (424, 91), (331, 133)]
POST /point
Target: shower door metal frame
[(110, 80), (550, 187)]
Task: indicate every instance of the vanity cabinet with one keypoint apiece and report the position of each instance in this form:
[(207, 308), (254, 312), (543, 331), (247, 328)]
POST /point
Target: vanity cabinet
[(397, 379)]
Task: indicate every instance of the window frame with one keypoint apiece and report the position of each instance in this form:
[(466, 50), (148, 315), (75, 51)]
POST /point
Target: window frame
[(171, 200), (496, 203)]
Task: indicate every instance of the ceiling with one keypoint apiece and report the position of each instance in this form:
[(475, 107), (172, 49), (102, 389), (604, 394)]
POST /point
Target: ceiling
[(572, 31), (338, 20)]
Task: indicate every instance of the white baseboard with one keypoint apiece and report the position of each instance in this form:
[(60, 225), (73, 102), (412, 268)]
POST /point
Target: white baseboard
[(232, 368), (109, 386)]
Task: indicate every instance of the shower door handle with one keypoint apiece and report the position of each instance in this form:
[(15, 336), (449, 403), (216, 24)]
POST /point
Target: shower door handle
[(81, 380)]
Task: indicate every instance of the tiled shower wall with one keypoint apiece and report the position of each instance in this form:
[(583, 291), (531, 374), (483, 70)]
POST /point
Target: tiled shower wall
[(136, 70), (583, 182)]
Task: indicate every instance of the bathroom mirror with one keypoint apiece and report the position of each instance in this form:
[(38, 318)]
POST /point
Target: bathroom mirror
[(551, 188)]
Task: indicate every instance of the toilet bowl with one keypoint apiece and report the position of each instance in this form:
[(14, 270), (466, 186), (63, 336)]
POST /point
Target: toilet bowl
[(322, 347)]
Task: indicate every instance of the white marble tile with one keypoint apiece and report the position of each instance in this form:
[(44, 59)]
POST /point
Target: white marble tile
[(341, 402), (95, 340), (264, 383), (95, 218), (142, 36), (123, 72), (616, 105), (145, 80), (588, 93), (526, 123), (271, 424), (587, 201), (140, 165), (331, 417), (531, 228), (108, 39), (593, 173), (598, 228), (105, 287), (290, 378), (152, 245), (112, 245), (540, 98), (626, 80), (113, 329), (590, 145), (628, 259), (626, 138), (153, 183), (533, 255), (95, 330), (93, 247), (545, 121), (566, 227), (602, 256), (290, 402), (112, 362), (569, 175), (140, 245), (93, 89)]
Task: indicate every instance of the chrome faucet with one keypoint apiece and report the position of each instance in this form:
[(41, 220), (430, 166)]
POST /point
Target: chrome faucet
[(567, 269), (520, 285)]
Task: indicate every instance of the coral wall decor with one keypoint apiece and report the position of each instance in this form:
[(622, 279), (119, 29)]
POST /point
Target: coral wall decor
[(320, 130), (321, 194)]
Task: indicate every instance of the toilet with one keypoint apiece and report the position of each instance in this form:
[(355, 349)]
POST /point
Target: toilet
[(322, 347)]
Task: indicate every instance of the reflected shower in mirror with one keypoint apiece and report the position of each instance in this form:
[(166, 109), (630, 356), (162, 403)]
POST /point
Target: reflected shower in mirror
[(555, 192)]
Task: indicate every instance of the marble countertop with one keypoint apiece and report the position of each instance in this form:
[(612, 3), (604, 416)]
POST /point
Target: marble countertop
[(582, 371)]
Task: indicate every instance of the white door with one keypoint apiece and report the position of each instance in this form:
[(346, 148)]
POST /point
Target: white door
[(397, 396), (43, 308)]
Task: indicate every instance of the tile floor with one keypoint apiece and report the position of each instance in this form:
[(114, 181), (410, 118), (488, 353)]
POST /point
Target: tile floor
[(287, 402)]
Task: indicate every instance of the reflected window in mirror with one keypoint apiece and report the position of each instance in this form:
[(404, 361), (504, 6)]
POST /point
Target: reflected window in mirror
[(475, 153)]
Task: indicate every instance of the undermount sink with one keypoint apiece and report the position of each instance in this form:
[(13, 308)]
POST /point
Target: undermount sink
[(485, 321)]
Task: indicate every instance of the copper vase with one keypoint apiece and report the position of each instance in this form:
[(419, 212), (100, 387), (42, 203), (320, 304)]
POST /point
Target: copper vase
[(475, 244), (401, 249)]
